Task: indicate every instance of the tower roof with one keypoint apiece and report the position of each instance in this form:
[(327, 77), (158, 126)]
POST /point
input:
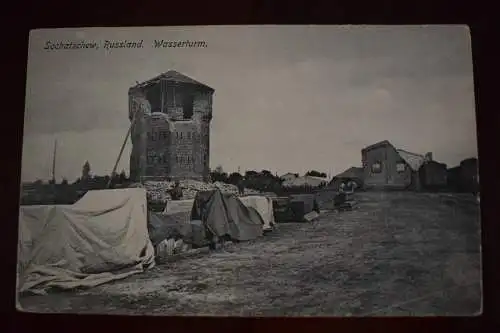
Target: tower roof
[(173, 76)]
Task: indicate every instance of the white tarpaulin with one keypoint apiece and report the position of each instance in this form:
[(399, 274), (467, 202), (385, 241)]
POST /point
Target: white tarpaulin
[(178, 206), (101, 238), (263, 205)]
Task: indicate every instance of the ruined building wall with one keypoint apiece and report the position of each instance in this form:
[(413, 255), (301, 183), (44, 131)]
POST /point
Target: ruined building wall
[(159, 146), (167, 145), (203, 112)]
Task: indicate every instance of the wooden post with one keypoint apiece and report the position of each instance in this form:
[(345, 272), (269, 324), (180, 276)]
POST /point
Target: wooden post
[(162, 92), (134, 117), (54, 162)]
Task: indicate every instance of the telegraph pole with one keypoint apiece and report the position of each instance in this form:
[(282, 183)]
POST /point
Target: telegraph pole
[(54, 162), (121, 152)]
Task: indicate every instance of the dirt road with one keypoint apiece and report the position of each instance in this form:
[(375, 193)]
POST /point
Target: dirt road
[(398, 254)]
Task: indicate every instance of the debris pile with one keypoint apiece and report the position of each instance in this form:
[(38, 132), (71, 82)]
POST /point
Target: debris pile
[(158, 190)]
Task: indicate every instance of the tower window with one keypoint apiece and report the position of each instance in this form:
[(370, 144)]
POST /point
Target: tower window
[(188, 106)]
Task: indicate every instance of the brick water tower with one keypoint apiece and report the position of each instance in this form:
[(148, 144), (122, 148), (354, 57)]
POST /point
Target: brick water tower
[(171, 133)]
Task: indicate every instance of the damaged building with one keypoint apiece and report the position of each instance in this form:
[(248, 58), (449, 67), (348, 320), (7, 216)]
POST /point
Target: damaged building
[(171, 130), (386, 167)]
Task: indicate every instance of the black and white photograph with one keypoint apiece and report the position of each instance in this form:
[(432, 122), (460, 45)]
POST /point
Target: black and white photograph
[(255, 171)]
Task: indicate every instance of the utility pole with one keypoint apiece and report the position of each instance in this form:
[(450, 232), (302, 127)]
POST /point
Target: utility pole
[(162, 92), (54, 162), (121, 151)]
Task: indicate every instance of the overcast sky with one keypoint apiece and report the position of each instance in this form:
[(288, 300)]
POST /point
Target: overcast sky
[(286, 98)]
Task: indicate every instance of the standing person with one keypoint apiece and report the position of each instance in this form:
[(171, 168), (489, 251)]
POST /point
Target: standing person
[(241, 186), (176, 192), (349, 187), (341, 196), (342, 187)]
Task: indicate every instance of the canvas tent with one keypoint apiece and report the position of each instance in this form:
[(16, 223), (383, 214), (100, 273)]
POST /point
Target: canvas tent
[(101, 238), (262, 204), (221, 215)]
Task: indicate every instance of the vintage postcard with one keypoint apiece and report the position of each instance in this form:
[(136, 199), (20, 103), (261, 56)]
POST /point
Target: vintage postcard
[(250, 171)]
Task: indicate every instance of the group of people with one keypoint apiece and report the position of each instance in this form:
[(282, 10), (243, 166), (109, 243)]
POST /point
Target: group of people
[(346, 190), (347, 187)]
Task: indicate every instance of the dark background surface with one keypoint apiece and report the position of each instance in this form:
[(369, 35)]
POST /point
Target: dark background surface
[(21, 16)]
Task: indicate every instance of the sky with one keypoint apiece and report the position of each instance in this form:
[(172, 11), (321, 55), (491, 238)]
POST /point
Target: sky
[(287, 98)]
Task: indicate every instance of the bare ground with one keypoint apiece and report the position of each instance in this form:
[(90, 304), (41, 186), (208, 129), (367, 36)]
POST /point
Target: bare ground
[(397, 254)]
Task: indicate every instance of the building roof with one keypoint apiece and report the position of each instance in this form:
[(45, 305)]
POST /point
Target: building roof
[(415, 161), (288, 174), (173, 76), (352, 172), (471, 160), (304, 180), (437, 163), (377, 145), (314, 178)]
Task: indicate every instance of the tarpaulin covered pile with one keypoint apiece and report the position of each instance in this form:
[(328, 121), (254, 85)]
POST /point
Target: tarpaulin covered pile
[(295, 208), (178, 206), (221, 215), (161, 227), (264, 206), (101, 238), (309, 200)]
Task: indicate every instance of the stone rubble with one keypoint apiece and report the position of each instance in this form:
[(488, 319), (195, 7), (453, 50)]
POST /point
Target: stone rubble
[(158, 190)]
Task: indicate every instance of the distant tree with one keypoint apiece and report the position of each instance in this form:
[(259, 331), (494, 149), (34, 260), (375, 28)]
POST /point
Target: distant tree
[(314, 173), (218, 175), (262, 181), (115, 178), (266, 173), (122, 178), (52, 182), (250, 173), (86, 171), (234, 178), (64, 181)]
